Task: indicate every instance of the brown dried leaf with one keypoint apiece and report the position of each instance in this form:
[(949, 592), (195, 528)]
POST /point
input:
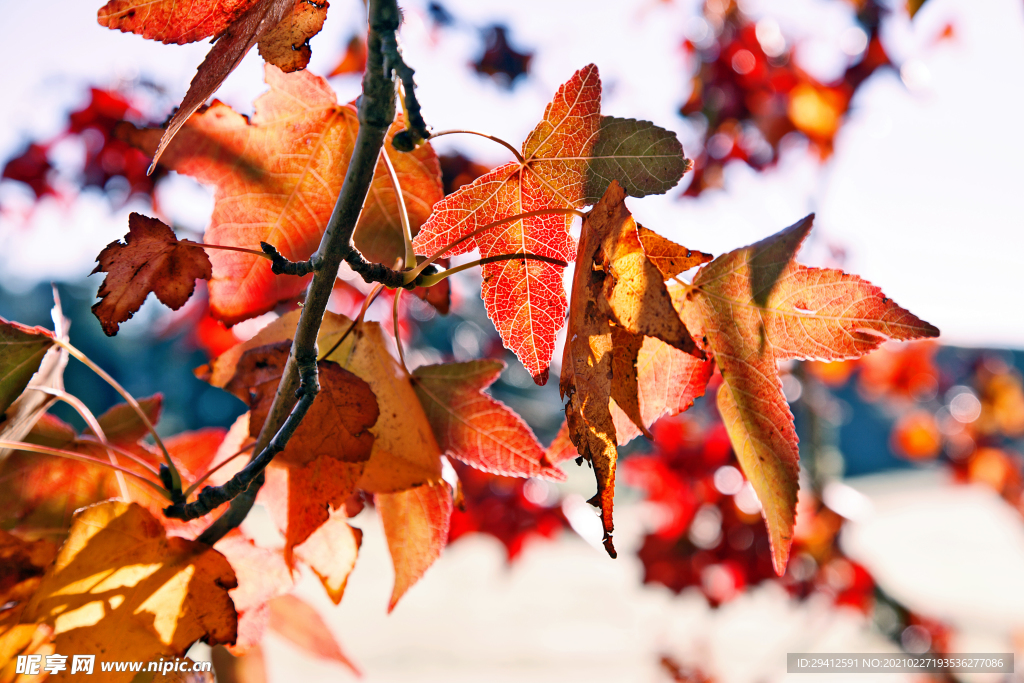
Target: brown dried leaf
[(618, 298), (286, 46), (151, 259)]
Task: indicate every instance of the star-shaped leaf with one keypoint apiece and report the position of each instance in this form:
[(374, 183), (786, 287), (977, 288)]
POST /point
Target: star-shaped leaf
[(151, 259), (754, 307)]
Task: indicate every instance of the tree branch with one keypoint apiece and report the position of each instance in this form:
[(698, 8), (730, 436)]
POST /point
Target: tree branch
[(297, 388)]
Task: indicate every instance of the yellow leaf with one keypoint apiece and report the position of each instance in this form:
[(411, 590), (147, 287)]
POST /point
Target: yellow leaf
[(122, 590)]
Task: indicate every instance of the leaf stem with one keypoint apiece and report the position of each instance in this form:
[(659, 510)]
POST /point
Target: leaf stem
[(411, 275), (191, 489), (225, 247), (519, 157), (370, 298), (88, 362), (398, 335), (432, 280), (94, 425), (81, 457), (403, 211)]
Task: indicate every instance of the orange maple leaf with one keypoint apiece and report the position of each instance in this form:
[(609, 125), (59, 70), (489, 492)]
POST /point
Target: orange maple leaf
[(277, 176), (120, 586), (416, 524), (475, 428), (754, 307), (329, 450)]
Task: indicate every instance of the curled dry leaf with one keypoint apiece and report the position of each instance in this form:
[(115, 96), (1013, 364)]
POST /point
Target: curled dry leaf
[(297, 621), (120, 587), (151, 259), (416, 524), (568, 161), (21, 353), (286, 45), (618, 298), (277, 175), (475, 428), (754, 307)]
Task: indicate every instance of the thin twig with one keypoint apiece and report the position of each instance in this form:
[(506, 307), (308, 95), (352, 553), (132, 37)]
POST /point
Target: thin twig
[(81, 457), (416, 129), (130, 400), (94, 425), (519, 157), (411, 275), (191, 489)]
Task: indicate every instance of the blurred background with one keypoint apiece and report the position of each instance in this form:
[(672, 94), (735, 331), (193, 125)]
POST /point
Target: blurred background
[(896, 122)]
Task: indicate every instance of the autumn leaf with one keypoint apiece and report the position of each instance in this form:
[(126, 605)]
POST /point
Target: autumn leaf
[(277, 25), (331, 552), (121, 424), (297, 621), (42, 491), (21, 353), (151, 259), (562, 448), (643, 158), (354, 59), (754, 307), (22, 566), (475, 428), (172, 21), (668, 382), (405, 452), (567, 161), (416, 524), (329, 450), (277, 175), (286, 45), (618, 298), (120, 588), (525, 299), (263, 575)]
